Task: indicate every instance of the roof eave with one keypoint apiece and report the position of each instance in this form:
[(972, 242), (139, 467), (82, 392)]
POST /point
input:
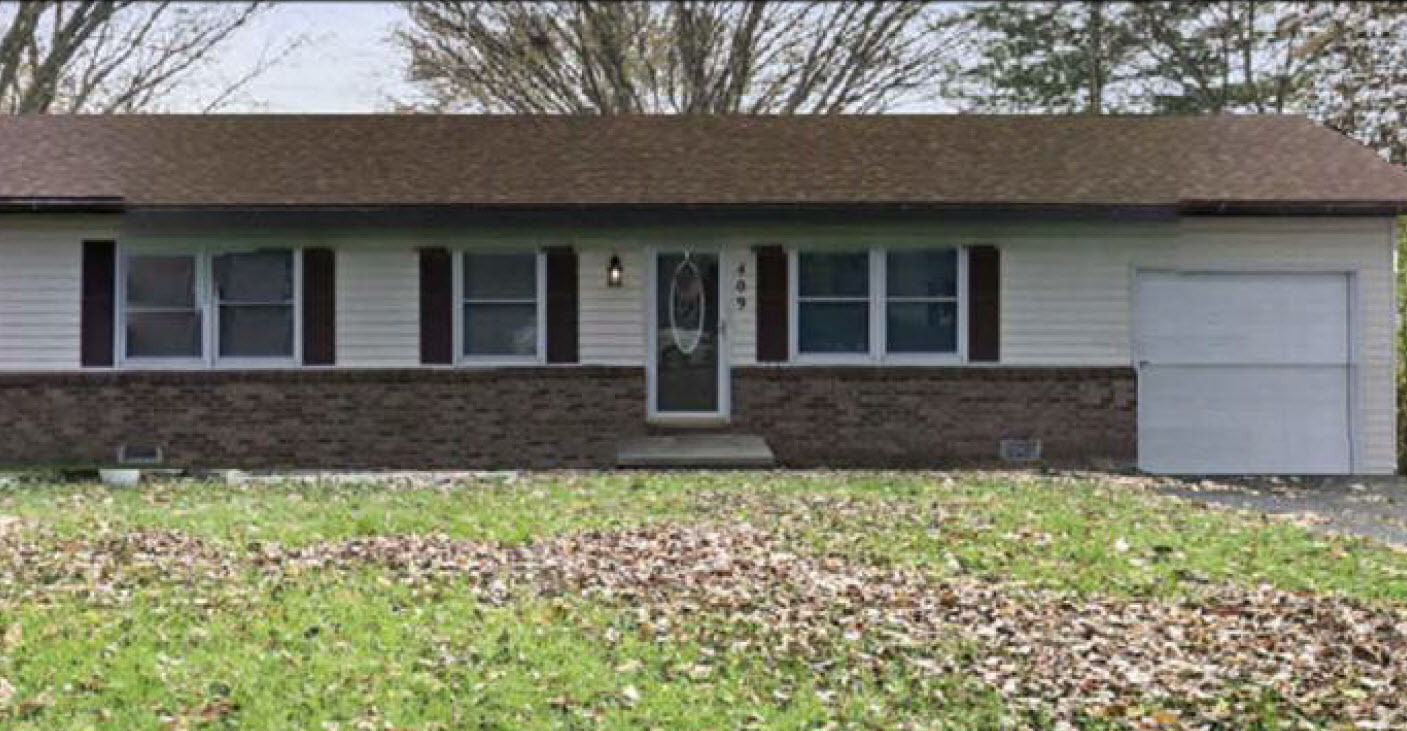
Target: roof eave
[(54, 204), (625, 211), (1293, 208), (966, 210)]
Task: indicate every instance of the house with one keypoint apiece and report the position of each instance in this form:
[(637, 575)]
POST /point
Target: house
[(1191, 295)]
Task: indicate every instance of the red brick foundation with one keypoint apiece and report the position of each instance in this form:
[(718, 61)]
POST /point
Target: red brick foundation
[(568, 416), (401, 419), (932, 417)]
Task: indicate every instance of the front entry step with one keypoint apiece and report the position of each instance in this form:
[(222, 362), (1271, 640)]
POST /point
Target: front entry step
[(695, 451)]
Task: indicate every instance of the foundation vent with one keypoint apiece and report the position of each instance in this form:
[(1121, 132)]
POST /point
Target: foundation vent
[(1020, 450), (139, 454)]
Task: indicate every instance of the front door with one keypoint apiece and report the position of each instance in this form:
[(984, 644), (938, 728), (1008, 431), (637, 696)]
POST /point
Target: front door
[(687, 349)]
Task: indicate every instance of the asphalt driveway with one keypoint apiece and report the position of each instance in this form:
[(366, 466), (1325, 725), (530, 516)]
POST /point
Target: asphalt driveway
[(1372, 508)]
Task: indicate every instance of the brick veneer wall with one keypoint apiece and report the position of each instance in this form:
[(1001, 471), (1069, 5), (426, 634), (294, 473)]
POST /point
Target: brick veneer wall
[(425, 418), (920, 417), (567, 416)]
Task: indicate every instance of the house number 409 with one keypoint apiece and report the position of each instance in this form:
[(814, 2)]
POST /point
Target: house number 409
[(740, 286)]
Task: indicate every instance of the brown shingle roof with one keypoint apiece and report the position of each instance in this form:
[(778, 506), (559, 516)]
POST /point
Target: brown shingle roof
[(394, 160)]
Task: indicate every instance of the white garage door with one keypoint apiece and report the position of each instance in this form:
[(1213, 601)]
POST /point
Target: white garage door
[(1242, 373)]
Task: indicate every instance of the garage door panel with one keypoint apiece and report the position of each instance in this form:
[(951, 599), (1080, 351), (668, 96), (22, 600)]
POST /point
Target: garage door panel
[(1243, 373), (1243, 318), (1230, 420)]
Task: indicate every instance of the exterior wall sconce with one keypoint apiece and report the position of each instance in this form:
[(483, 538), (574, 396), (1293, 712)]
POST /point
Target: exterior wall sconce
[(615, 274)]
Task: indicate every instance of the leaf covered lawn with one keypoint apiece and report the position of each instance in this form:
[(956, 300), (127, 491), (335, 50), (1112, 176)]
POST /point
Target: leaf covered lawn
[(777, 600)]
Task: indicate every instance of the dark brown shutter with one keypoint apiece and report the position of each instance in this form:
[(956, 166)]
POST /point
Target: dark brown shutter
[(436, 306), (99, 291), (772, 306), (562, 305), (984, 304), (319, 307)]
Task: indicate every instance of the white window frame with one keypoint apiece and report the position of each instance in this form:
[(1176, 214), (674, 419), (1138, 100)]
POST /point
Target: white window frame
[(200, 301), (877, 353), (959, 354), (540, 269), (209, 308), (795, 301)]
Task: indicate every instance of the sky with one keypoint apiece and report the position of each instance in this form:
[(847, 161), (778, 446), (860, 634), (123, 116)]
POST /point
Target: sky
[(346, 62)]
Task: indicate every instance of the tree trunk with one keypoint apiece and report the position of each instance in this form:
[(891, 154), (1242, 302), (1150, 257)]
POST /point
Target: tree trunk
[(1095, 55)]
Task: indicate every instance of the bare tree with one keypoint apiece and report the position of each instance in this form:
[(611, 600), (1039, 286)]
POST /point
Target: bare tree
[(109, 56), (680, 56)]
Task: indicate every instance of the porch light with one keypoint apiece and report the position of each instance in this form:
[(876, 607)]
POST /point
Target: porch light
[(615, 274)]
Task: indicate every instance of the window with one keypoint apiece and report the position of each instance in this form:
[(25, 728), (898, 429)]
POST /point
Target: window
[(833, 302), (163, 314), (921, 301), (201, 308), (501, 313), (254, 294), (901, 304)]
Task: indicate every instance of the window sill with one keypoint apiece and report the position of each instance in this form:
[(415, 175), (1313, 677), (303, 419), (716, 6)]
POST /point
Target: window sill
[(162, 364), (897, 361), (238, 364), (922, 360), (472, 363), (837, 359), (254, 364)]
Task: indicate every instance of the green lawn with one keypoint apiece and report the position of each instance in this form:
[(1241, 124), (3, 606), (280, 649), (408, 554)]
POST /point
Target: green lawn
[(729, 600)]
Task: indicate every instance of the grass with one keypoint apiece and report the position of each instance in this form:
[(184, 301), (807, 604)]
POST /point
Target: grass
[(1063, 535), (359, 653), (363, 649)]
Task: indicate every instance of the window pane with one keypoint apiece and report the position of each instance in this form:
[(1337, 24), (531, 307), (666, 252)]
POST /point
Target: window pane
[(833, 327), (161, 281), (833, 275), (922, 327), (260, 276), (163, 335), (931, 273), (256, 331), (500, 276), (500, 329)]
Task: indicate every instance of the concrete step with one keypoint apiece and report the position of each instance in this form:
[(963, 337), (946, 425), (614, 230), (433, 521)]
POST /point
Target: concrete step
[(695, 451)]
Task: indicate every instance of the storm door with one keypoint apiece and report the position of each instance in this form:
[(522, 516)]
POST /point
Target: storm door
[(687, 349)]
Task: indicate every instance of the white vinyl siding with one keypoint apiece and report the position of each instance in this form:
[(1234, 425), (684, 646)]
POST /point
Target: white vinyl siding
[(611, 320), (41, 279), (378, 307), (741, 321)]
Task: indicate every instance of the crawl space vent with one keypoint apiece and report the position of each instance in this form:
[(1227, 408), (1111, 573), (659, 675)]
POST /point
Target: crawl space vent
[(139, 454), (1020, 450)]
